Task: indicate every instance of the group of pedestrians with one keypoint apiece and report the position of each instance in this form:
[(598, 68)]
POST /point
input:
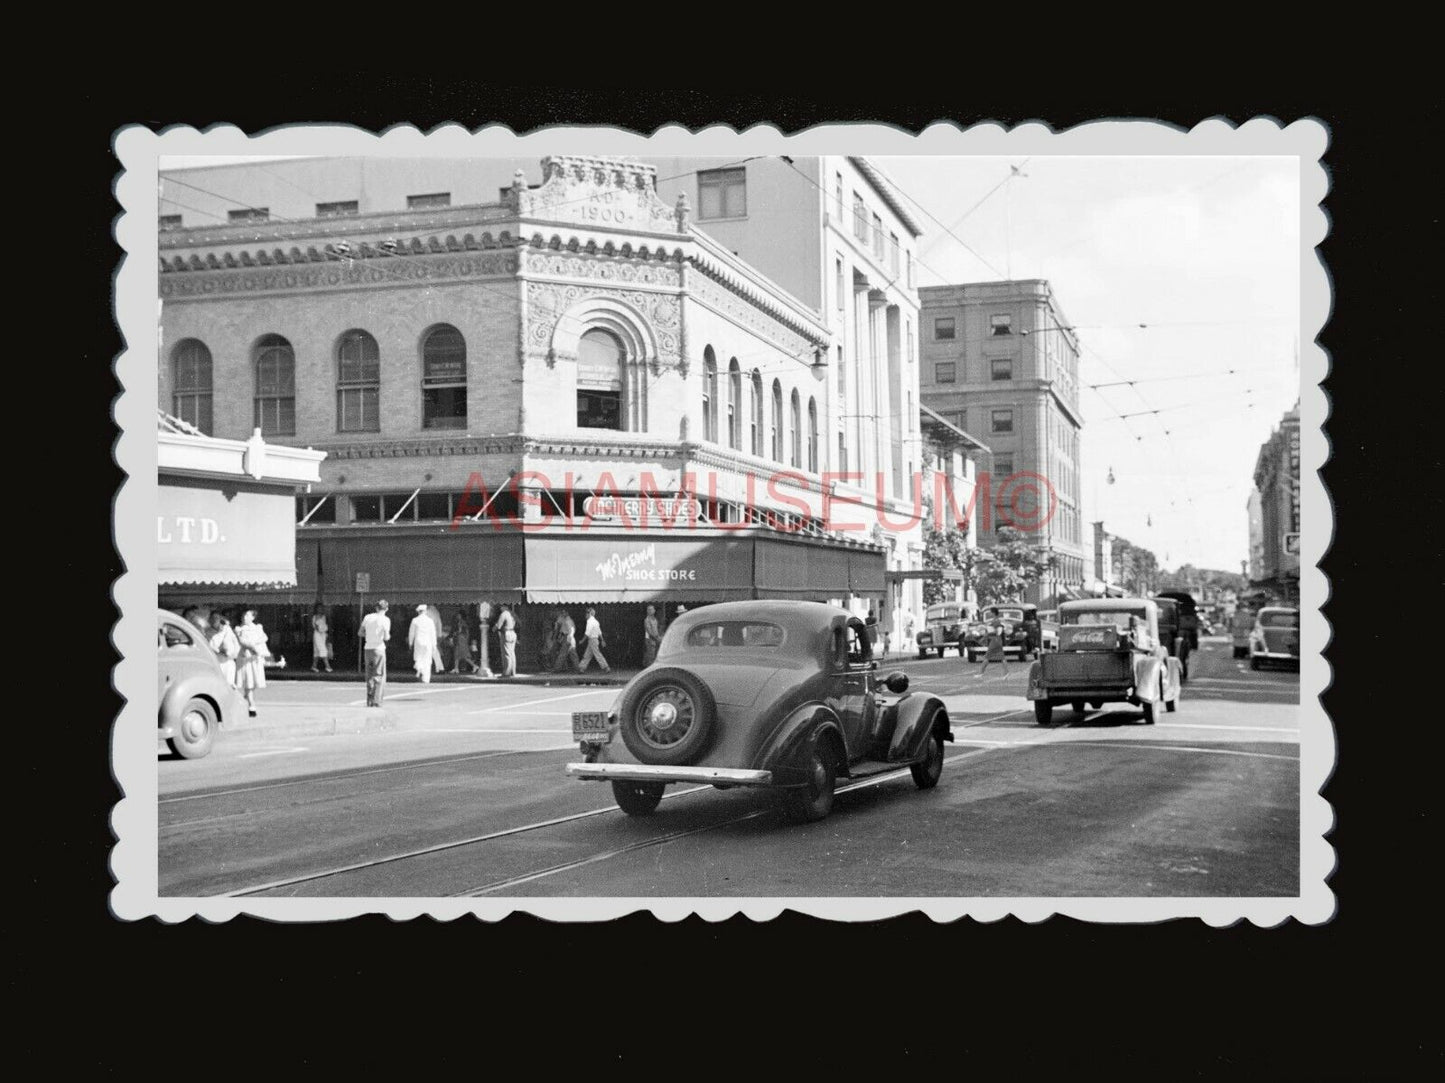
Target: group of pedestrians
[(560, 650), (241, 649)]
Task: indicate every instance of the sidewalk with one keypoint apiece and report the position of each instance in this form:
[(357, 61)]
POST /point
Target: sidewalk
[(615, 676)]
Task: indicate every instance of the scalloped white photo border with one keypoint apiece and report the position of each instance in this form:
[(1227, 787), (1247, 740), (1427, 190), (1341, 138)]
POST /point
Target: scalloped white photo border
[(134, 818)]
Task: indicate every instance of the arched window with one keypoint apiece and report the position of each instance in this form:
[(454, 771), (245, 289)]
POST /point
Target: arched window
[(756, 444), (776, 439), (796, 430), (599, 380), (735, 405), (191, 383), (813, 435), (358, 383), (709, 395), (275, 364), (444, 378)]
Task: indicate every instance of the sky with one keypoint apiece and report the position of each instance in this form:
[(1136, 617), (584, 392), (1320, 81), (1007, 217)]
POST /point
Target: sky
[(1202, 250)]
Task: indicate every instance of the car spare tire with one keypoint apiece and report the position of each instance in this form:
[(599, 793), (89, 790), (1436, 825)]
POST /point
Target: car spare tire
[(667, 717)]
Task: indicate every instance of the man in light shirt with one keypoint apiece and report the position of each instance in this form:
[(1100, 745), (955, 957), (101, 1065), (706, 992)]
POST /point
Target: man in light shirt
[(375, 631), (593, 634)]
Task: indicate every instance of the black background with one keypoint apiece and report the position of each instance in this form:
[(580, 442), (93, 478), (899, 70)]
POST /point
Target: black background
[(1176, 1000)]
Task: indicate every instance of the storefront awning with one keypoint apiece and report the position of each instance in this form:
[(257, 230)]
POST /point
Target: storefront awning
[(792, 568), (433, 565), (637, 568), (238, 534)]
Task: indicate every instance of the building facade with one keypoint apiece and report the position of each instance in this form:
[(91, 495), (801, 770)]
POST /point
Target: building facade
[(569, 394), (1254, 512), (1000, 360), (1277, 485)]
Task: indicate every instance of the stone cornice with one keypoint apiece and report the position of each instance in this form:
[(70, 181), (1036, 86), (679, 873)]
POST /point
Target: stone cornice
[(422, 447), (335, 275), (741, 278), (344, 226)]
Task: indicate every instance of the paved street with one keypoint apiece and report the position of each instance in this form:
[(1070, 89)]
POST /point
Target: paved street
[(459, 789)]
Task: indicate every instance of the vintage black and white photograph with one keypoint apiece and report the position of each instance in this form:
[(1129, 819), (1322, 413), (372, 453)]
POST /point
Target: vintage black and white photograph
[(855, 522)]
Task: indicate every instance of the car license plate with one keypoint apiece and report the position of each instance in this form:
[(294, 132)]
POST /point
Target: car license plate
[(591, 727)]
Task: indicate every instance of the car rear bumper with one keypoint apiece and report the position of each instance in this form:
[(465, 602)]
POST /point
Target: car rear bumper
[(643, 772), (1274, 656)]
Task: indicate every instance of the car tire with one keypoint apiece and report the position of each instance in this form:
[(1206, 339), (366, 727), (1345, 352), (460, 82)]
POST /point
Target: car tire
[(1150, 705), (927, 772), (195, 730), (814, 800), (637, 798), (1079, 706), (1171, 705), (1043, 712), (922, 655), (646, 731)]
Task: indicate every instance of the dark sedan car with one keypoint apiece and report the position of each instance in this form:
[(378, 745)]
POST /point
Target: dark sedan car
[(780, 695)]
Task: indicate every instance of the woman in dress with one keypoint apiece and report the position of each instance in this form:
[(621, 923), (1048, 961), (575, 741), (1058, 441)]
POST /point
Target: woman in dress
[(251, 665), (224, 642), (462, 646), (993, 644), (421, 637), (320, 645)]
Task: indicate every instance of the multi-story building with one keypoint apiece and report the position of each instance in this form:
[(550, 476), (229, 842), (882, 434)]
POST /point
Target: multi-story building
[(829, 235), (567, 393), (1253, 510), (1103, 567), (1000, 359), (1277, 483)]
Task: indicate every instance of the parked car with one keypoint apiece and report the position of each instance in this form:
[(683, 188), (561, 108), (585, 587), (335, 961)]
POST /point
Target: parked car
[(1109, 652), (1171, 633), (943, 627), (1275, 637), (772, 694), (195, 697), (1241, 624)]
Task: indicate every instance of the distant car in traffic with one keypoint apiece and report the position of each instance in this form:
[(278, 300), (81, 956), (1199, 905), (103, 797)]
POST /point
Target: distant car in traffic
[(1109, 652), (1024, 633), (1274, 639), (1188, 615), (195, 697), (777, 695), (943, 627), (1241, 624), (1173, 634)]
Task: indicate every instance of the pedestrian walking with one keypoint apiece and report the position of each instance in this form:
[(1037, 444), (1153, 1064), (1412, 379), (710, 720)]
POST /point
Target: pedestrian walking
[(592, 632), (421, 637), (994, 652), (375, 631), (462, 646), (507, 632), (251, 663), (224, 642), (565, 633), (320, 640), (651, 637)]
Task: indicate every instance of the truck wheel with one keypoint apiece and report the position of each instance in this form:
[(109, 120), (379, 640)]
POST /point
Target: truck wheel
[(195, 730), (1043, 711), (636, 798)]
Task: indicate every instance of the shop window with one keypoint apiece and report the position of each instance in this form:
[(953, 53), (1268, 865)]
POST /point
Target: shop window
[(170, 221), (1002, 421), (340, 209), (1001, 368), (191, 385), (433, 506), (444, 379), (358, 383), (365, 508), (430, 199), (398, 506), (943, 328), (320, 509), (1001, 325), (250, 214), (944, 372), (722, 193)]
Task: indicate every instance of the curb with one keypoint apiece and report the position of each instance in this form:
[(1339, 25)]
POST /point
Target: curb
[(354, 720)]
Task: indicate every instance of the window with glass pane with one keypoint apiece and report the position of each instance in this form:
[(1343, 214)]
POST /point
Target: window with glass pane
[(756, 414), (877, 236), (735, 405), (842, 453), (1001, 325), (860, 218), (893, 253), (777, 431), (943, 328), (170, 221), (838, 193), (250, 214), (944, 372), (316, 509), (1002, 421), (1002, 368), (432, 506), (797, 430), (430, 199), (599, 381), (838, 284), (275, 409), (358, 385), (365, 509), (722, 193), (709, 395), (191, 383), (813, 435), (340, 209), (444, 379)]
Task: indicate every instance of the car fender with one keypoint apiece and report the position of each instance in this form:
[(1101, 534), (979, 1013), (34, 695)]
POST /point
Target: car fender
[(1173, 678), (179, 693), (783, 749), (913, 729), (1146, 677)]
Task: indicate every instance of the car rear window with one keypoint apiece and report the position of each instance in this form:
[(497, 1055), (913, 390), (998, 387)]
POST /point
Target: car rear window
[(735, 633), (1280, 620), (173, 635), (1119, 618)]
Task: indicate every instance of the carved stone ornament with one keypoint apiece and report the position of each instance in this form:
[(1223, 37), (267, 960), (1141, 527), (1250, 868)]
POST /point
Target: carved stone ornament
[(599, 191), (336, 275)]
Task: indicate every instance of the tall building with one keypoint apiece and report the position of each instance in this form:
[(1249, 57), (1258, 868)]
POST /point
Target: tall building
[(1253, 509), (827, 240), (565, 392), (1277, 483), (1000, 359)]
